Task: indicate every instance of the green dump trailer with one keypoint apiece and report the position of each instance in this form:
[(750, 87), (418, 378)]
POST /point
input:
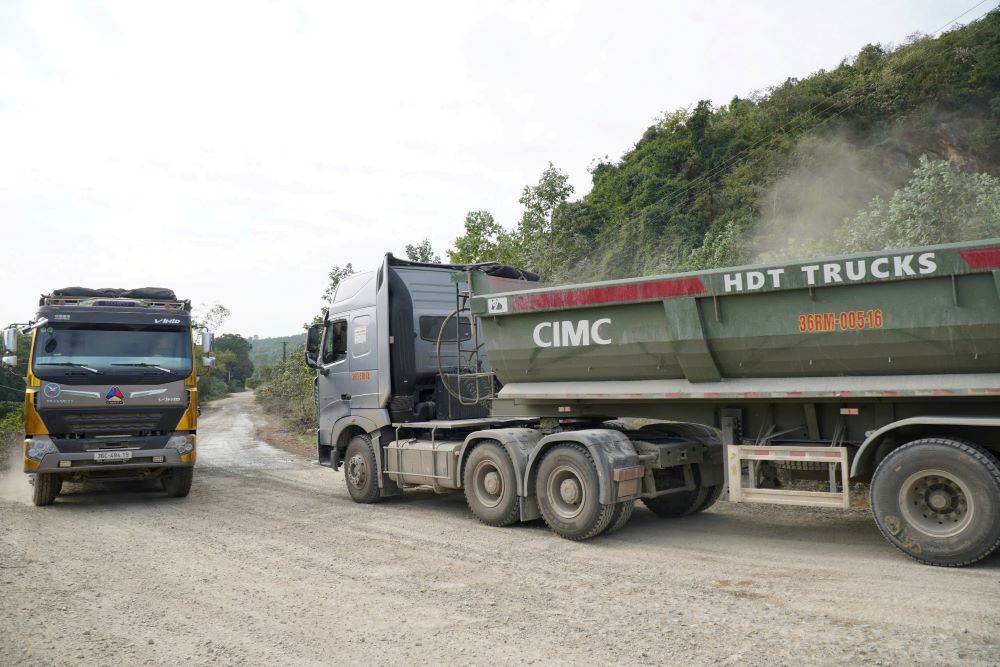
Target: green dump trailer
[(779, 384)]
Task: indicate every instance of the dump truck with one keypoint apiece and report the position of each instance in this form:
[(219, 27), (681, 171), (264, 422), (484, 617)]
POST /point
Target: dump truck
[(111, 389), (782, 383)]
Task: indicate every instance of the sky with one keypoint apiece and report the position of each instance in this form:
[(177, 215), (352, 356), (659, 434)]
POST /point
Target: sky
[(236, 151)]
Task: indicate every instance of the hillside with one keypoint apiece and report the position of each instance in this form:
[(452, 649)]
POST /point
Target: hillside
[(714, 185), (267, 351)]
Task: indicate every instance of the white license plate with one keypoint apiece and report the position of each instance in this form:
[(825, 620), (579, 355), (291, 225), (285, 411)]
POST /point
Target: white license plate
[(112, 457)]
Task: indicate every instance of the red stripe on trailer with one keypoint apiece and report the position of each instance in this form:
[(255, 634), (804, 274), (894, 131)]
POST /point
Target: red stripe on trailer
[(943, 392), (981, 258), (794, 452), (589, 296)]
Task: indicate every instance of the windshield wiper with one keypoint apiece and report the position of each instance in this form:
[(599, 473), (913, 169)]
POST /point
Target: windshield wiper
[(74, 365), (142, 364)]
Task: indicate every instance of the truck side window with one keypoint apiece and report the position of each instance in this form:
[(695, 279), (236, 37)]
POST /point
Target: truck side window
[(335, 342)]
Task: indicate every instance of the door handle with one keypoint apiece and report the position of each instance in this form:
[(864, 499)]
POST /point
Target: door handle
[(345, 397)]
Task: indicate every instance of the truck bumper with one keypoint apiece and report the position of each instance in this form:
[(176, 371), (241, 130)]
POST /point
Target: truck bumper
[(41, 455)]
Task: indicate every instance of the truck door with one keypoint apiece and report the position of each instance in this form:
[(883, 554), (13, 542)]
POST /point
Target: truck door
[(364, 362), (333, 384)]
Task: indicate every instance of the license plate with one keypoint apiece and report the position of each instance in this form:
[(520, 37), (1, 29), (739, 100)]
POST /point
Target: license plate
[(112, 457)]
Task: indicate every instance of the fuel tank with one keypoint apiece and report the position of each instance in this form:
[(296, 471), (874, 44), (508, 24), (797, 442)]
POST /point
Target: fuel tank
[(928, 310)]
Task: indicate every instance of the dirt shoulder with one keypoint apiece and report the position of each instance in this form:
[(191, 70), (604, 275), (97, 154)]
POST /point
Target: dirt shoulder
[(273, 430)]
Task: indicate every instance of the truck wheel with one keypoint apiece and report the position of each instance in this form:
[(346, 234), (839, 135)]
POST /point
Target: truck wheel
[(47, 487), (621, 516), (360, 470), (177, 482), (938, 501), (567, 488), (713, 495), (683, 503), (491, 485)]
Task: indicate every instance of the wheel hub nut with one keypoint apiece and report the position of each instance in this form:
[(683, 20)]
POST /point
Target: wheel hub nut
[(570, 491), (491, 482)]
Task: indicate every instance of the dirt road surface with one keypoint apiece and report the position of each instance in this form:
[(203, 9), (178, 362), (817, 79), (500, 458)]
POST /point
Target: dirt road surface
[(268, 562)]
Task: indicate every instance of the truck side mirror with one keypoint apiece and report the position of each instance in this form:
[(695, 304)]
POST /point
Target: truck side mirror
[(208, 361), (314, 337), (206, 340), (10, 339), (9, 360)]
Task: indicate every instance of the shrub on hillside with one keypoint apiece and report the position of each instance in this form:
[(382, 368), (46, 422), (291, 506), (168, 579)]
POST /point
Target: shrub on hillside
[(286, 389)]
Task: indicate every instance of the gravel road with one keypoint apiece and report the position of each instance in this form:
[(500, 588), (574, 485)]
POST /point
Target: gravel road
[(268, 562)]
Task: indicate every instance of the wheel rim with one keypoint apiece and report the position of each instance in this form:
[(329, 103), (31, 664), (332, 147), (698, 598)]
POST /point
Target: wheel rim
[(487, 484), (357, 471), (567, 492), (937, 503)]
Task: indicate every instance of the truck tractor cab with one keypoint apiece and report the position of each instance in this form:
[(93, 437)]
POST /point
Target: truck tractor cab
[(397, 345), (111, 389)]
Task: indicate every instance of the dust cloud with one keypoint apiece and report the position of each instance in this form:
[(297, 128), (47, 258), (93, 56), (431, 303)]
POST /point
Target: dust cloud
[(837, 174), (14, 484), (832, 179)]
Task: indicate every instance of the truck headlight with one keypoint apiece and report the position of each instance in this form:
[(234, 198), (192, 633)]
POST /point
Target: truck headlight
[(182, 442), (38, 446)]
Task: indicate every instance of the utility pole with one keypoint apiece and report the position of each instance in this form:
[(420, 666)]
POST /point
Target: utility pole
[(284, 351)]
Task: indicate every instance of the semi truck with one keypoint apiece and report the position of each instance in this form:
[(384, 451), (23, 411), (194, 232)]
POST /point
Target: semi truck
[(784, 383), (111, 389)]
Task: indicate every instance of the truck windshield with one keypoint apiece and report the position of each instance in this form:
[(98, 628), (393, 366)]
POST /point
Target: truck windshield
[(112, 352)]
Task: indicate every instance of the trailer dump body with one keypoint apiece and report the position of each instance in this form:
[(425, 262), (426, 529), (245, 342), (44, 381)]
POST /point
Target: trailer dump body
[(930, 311)]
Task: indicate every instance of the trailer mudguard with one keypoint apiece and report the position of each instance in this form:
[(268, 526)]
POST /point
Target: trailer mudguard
[(610, 449), (519, 444), (864, 459)]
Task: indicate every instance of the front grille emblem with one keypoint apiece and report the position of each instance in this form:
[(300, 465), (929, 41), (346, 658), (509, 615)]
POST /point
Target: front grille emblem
[(114, 396)]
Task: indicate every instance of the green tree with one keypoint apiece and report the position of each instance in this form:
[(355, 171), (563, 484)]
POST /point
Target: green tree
[(534, 244), (236, 365), (541, 200), (210, 317), (422, 252), (484, 240), (210, 382), (940, 204)]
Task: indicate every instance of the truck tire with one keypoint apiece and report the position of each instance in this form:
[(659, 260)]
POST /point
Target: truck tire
[(683, 503), (360, 470), (177, 482), (622, 515), (568, 489), (710, 498), (47, 487), (491, 485), (938, 501)]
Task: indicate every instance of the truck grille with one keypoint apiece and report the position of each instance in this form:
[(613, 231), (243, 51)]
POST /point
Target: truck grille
[(77, 423)]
